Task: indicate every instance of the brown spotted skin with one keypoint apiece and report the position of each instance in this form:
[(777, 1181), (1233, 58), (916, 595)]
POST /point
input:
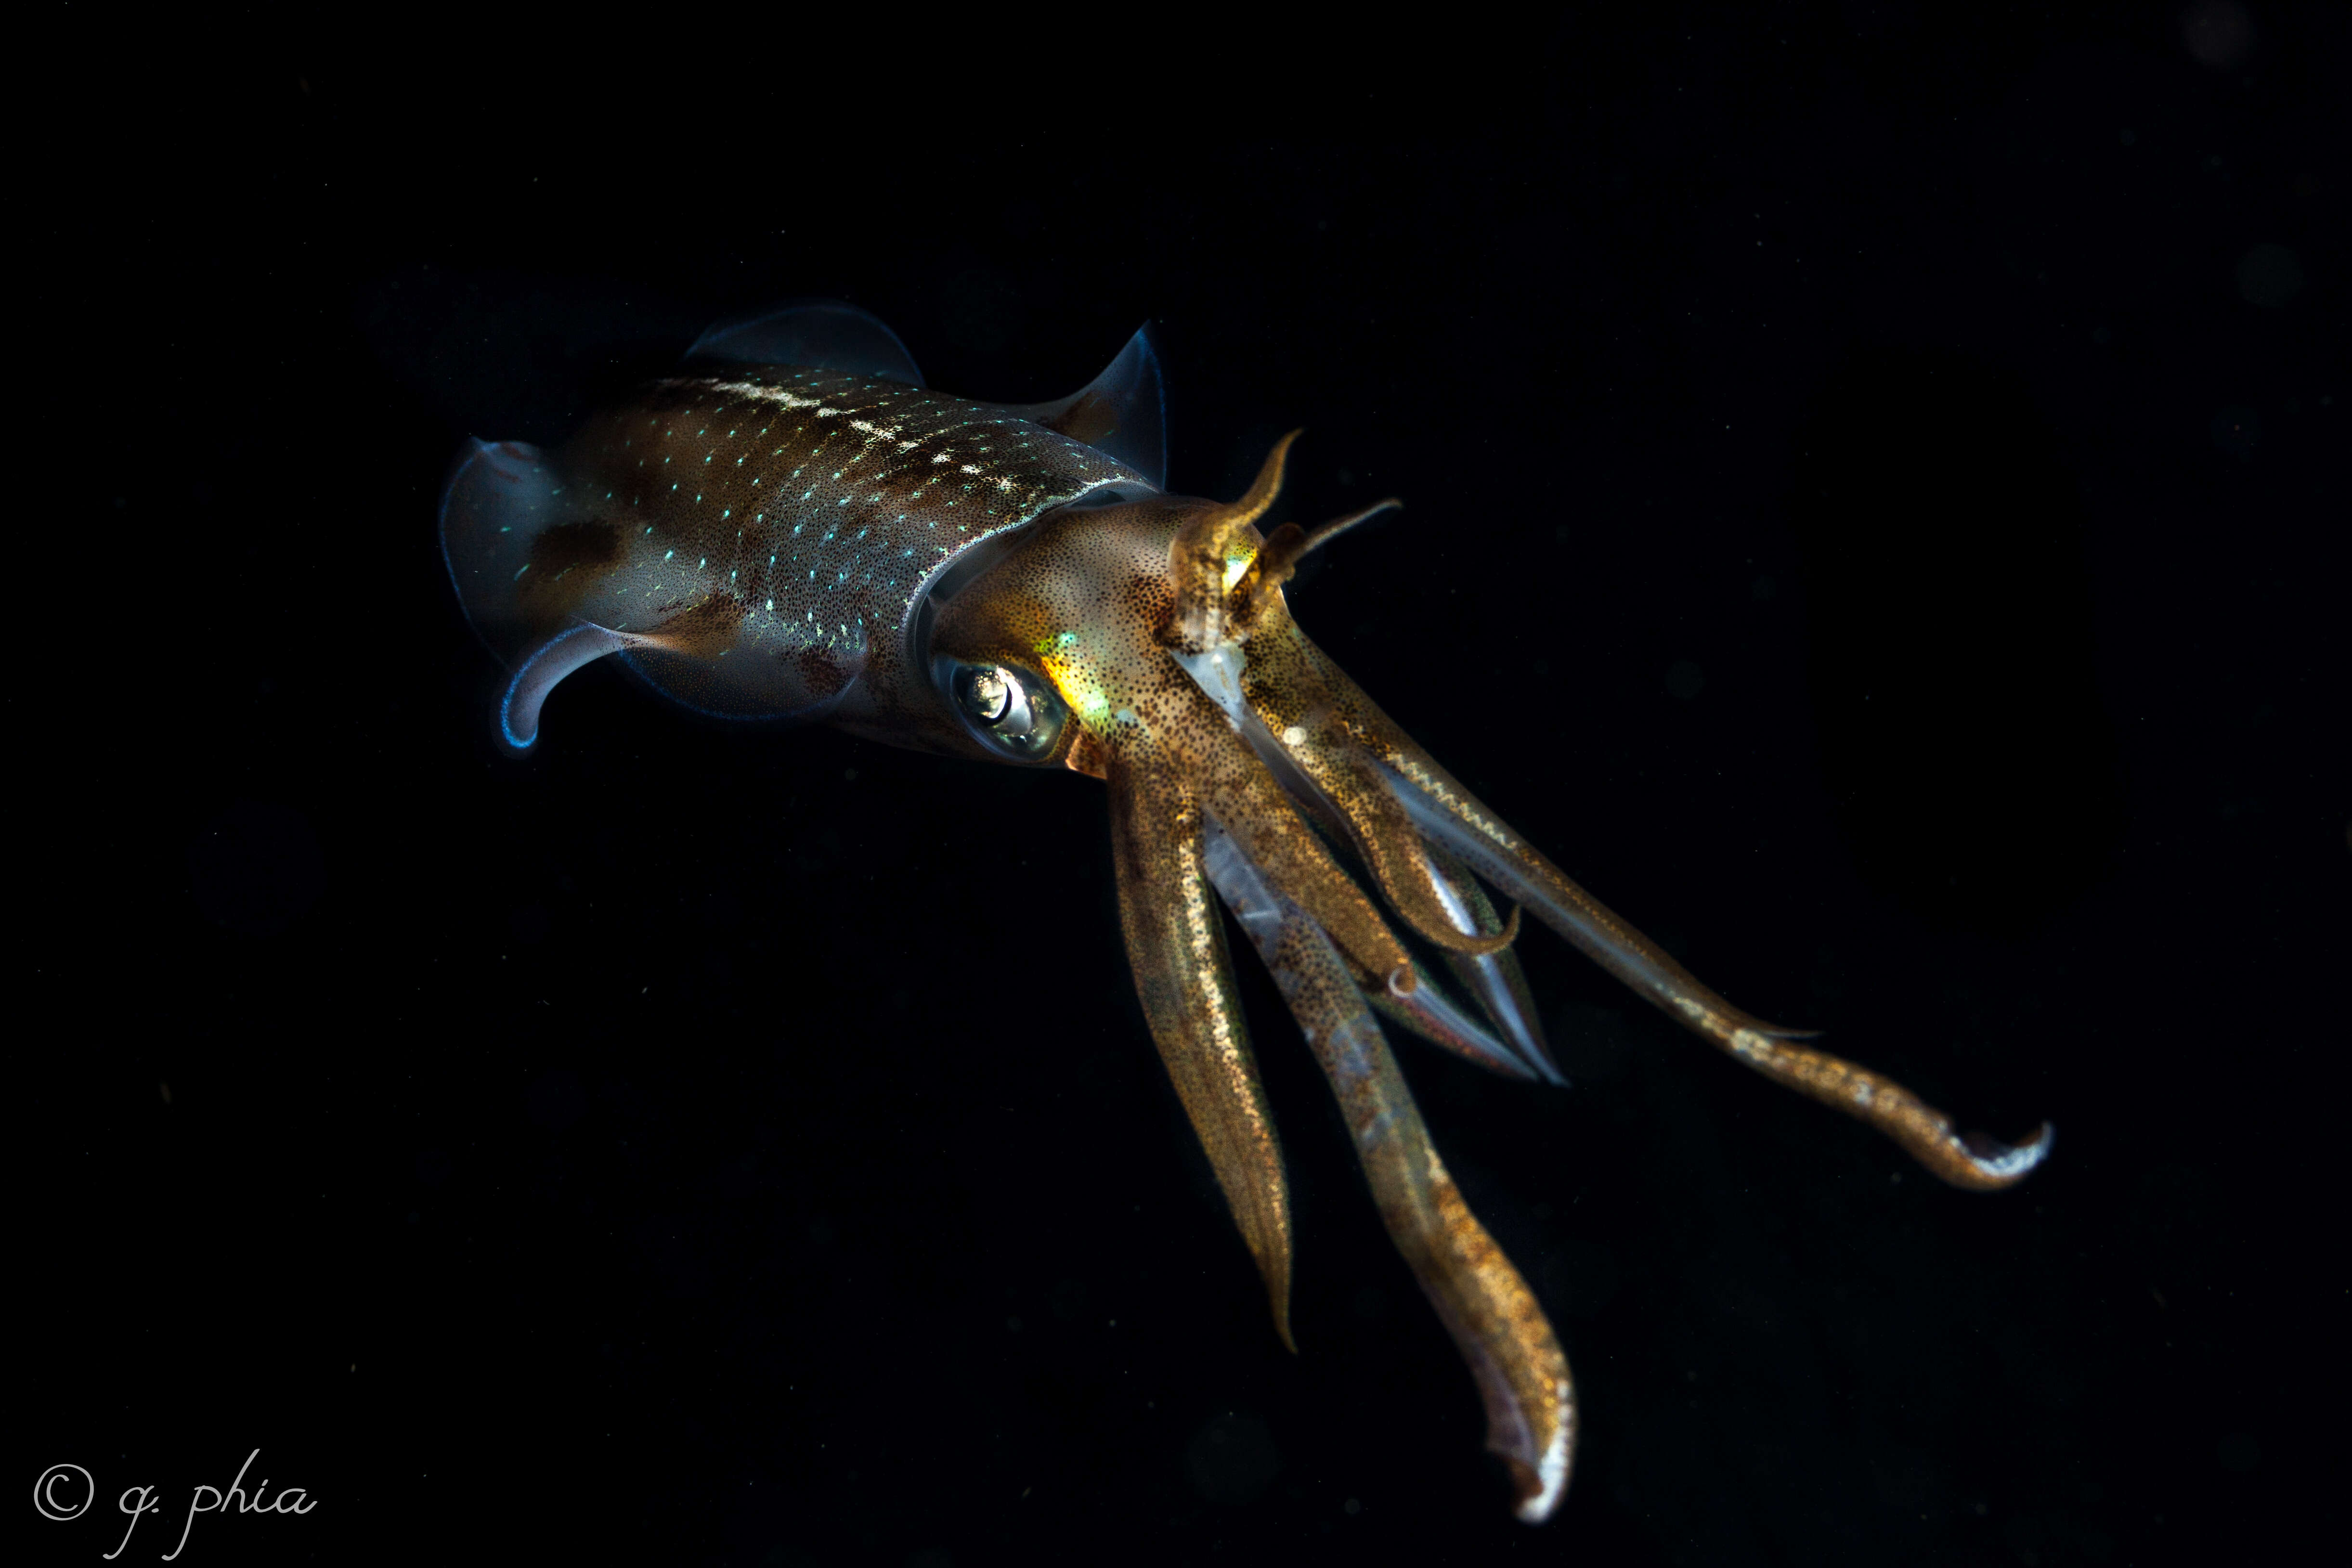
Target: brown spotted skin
[(1079, 600), (1086, 600), (763, 541), (1130, 613), (767, 532), (1339, 737), (1486, 1305)]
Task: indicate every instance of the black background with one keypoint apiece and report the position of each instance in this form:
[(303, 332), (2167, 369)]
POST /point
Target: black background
[(1874, 513)]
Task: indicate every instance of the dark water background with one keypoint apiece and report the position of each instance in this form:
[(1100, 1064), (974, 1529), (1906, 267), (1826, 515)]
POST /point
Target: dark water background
[(1875, 513)]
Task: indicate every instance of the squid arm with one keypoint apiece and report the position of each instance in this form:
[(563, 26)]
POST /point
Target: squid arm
[(1337, 737), (1522, 1377), (1176, 946)]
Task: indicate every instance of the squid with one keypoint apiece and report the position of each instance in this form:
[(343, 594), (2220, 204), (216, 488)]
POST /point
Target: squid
[(796, 526)]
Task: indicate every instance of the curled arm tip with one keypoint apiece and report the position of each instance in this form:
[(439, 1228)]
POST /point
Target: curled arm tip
[(1541, 1484), (1996, 1164)]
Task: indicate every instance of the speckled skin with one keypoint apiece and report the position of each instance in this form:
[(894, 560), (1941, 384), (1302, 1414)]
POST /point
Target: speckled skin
[(772, 540), (1088, 601), (1196, 696), (764, 536)]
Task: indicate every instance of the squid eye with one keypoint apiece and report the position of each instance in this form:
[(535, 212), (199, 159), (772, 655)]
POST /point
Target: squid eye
[(991, 695), (1009, 708)]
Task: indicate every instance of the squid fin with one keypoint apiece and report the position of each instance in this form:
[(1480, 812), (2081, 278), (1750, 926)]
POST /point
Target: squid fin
[(824, 334), (1122, 412), (501, 496)]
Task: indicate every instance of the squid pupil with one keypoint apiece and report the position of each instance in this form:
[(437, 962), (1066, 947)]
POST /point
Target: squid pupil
[(1005, 706), (991, 695)]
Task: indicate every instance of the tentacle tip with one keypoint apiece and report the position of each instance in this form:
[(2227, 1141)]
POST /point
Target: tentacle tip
[(1277, 1300), (1998, 1165), (1488, 946), (1469, 945), (1540, 1486), (1402, 982)]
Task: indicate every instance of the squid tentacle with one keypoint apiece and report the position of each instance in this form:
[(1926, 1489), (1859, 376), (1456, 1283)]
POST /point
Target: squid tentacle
[(1260, 795), (1278, 558), (1460, 821), (1176, 947), (1360, 811), (1378, 780), (1438, 1018), (1208, 624), (1394, 852), (1246, 799), (1495, 978), (1399, 864), (1329, 728), (1426, 1012), (1495, 1318), (1201, 619), (1447, 813), (1148, 643)]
